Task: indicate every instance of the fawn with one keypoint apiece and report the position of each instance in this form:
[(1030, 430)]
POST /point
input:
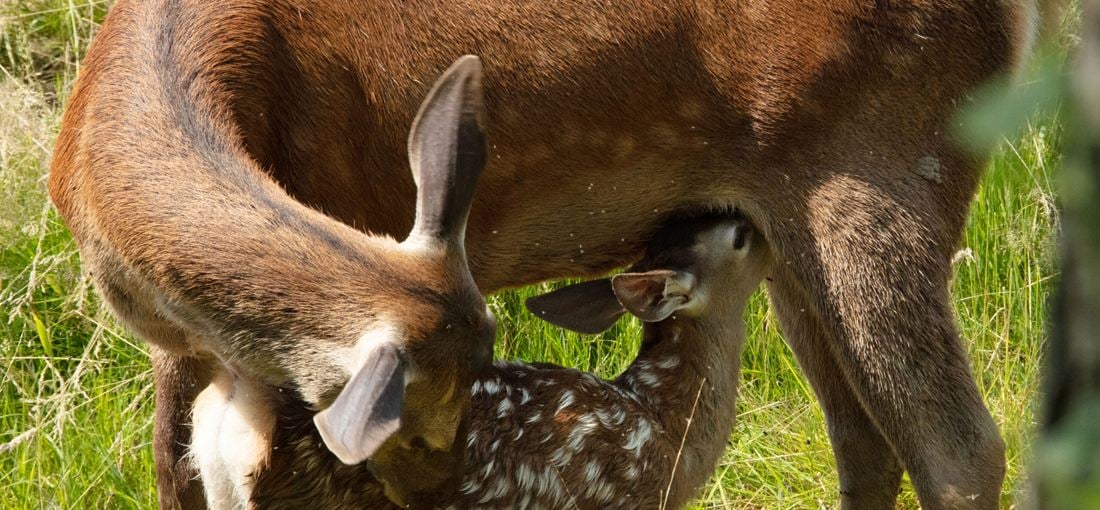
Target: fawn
[(543, 436)]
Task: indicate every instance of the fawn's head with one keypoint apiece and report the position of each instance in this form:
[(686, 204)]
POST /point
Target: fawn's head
[(690, 268), (432, 333)]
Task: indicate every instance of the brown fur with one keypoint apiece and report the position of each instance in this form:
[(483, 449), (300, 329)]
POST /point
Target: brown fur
[(828, 121), (543, 436)]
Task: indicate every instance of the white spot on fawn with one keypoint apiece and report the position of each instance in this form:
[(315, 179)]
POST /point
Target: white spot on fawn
[(566, 400), (668, 363), (504, 408), (470, 486), (561, 456), (592, 471), (526, 479), (638, 437)]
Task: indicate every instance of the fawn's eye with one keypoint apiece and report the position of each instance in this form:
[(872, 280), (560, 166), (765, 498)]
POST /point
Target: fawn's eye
[(740, 237)]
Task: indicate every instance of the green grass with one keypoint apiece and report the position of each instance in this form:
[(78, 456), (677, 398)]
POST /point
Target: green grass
[(76, 406)]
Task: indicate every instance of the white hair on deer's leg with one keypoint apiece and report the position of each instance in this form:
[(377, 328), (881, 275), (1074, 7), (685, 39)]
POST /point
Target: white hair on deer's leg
[(525, 396), (234, 420), (475, 388), (534, 418)]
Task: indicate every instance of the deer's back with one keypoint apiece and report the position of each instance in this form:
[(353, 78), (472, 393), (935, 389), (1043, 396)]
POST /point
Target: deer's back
[(603, 117)]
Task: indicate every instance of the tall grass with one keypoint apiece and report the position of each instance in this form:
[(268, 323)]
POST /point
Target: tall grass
[(75, 412)]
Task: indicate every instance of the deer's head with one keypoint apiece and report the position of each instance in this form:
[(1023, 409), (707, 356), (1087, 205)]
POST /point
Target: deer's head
[(411, 369), (690, 268)]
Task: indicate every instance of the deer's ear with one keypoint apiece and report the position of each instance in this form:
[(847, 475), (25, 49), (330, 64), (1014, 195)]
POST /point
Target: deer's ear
[(368, 410), (589, 307), (654, 295), (447, 152)]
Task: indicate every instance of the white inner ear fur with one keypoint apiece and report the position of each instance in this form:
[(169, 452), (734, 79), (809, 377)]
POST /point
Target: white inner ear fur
[(685, 284), (682, 284), (381, 332), (417, 242)]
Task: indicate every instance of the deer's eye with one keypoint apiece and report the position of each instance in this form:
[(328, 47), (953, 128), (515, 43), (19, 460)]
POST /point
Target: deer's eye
[(740, 237)]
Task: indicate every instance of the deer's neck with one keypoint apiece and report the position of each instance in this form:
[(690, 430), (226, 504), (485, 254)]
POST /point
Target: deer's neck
[(688, 368)]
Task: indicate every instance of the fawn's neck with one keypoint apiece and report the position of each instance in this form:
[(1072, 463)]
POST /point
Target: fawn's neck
[(688, 368)]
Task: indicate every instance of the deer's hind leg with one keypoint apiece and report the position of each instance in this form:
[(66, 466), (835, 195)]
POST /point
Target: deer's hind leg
[(178, 377), (869, 471), (178, 380), (872, 250)]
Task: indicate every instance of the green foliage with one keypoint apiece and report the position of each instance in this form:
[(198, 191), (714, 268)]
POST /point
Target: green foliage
[(45, 39), (76, 393), (1067, 462)]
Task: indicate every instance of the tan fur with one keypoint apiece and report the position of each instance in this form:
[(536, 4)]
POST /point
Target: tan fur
[(828, 121)]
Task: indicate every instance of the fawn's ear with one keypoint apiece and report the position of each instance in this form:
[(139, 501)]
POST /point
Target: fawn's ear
[(654, 295), (589, 307), (368, 409), (447, 153)]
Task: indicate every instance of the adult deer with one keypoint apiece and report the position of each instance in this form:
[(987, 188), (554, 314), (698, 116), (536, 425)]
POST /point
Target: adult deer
[(828, 122)]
